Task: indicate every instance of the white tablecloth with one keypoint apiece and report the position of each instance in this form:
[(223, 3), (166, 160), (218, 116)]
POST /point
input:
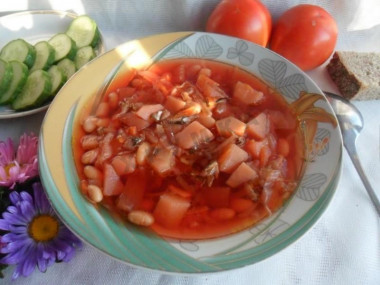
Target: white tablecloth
[(344, 245)]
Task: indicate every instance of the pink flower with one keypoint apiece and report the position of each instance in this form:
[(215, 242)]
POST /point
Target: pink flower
[(17, 167)]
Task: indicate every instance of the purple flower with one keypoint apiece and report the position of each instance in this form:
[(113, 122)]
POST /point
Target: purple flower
[(18, 166), (36, 237)]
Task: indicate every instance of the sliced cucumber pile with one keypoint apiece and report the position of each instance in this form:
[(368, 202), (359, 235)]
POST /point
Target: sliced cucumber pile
[(45, 56), (19, 50), (31, 75), (6, 75), (84, 32), (37, 88), (64, 46), (84, 55), (58, 78), (20, 74)]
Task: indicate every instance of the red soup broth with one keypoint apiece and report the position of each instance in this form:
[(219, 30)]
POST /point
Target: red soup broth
[(192, 148)]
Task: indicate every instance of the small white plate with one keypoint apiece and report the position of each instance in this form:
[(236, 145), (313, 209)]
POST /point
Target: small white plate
[(33, 26)]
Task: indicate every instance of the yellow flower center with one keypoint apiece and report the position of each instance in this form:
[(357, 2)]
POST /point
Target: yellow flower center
[(7, 168), (43, 228)]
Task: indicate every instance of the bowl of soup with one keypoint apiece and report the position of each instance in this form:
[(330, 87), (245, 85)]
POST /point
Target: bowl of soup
[(190, 153)]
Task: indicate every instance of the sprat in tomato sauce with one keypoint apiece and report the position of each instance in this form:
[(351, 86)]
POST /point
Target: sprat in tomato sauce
[(191, 148)]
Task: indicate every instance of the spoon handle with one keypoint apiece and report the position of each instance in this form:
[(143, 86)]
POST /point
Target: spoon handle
[(351, 149)]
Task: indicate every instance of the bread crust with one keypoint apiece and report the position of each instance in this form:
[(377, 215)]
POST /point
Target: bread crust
[(357, 75)]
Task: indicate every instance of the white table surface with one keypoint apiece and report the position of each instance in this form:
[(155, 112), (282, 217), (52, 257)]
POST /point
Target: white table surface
[(344, 245)]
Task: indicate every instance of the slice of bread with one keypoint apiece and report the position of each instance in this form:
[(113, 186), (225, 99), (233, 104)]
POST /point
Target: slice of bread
[(356, 74)]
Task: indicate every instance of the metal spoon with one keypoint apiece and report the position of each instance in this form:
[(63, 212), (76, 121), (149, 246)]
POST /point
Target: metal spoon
[(351, 123)]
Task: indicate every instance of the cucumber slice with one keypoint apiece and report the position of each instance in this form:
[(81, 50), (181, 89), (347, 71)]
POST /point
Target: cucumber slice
[(36, 90), (84, 31), (6, 75), (64, 46), (20, 74), (57, 79), (84, 55), (67, 66), (45, 56), (19, 50)]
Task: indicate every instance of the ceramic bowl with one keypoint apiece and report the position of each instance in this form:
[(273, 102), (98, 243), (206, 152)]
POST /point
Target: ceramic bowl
[(142, 247)]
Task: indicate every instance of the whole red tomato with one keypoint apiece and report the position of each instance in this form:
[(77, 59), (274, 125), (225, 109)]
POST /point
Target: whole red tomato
[(306, 35), (245, 19)]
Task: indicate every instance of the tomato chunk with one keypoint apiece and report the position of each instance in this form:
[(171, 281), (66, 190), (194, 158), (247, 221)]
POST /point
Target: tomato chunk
[(132, 120), (163, 161), (170, 209), (209, 87), (258, 127), (245, 94), (133, 192), (174, 104), (148, 110), (231, 157), (242, 174), (254, 147), (112, 183), (207, 120), (124, 164), (230, 125), (193, 135)]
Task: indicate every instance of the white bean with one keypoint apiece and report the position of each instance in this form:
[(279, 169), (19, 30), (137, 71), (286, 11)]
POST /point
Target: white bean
[(103, 110), (141, 218), (94, 193), (89, 124), (142, 153), (113, 99), (89, 142), (90, 156), (92, 172)]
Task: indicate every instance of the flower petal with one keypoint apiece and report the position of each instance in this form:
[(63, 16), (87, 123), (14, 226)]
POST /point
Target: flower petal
[(9, 237), (17, 256), (13, 246), (60, 255), (16, 274), (27, 209), (6, 152), (14, 173), (40, 198), (4, 225), (12, 209), (26, 197), (14, 219), (69, 255), (51, 261), (14, 197), (30, 170), (29, 265), (42, 264), (18, 229), (27, 148)]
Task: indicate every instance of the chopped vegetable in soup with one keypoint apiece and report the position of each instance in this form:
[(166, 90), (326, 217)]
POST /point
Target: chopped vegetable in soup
[(191, 148)]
